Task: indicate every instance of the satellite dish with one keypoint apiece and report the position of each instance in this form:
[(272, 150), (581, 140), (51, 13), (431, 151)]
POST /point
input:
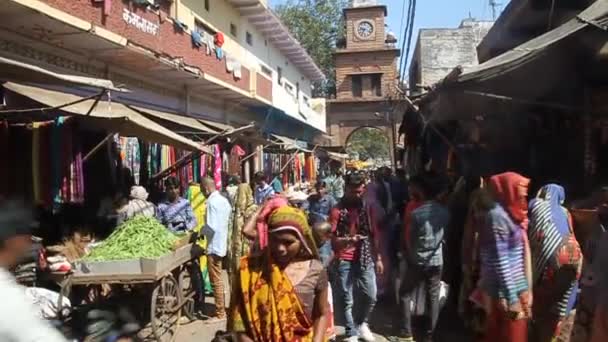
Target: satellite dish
[(364, 3)]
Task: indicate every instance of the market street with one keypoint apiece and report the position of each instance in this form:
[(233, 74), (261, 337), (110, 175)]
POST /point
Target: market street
[(365, 170)]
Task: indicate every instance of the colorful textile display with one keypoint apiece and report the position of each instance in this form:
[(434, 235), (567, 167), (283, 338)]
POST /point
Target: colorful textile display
[(197, 201), (217, 169)]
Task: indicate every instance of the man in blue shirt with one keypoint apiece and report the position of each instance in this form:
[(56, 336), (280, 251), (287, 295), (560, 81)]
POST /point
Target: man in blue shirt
[(217, 217), (277, 183), (336, 184), (175, 212), (263, 191), (319, 204)]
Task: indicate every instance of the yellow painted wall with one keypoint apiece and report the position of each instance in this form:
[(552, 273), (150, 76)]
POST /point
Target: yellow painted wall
[(219, 17)]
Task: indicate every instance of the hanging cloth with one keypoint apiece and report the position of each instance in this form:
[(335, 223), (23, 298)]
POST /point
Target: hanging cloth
[(198, 202), (36, 162), (217, 170), (56, 159)]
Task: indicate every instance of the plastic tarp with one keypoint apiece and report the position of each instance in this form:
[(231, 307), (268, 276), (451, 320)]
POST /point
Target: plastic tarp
[(111, 116)]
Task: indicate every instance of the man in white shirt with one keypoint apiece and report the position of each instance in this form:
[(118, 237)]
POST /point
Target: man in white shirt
[(217, 218), (18, 319)]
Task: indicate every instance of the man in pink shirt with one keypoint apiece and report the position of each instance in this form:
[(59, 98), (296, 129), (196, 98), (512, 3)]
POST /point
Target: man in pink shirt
[(359, 259)]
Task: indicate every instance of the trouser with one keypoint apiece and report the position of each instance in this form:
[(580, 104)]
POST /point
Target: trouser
[(214, 263), (196, 279), (414, 277), (352, 276)]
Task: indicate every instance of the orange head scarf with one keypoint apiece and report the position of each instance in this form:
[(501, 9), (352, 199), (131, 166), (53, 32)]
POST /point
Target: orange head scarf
[(510, 190)]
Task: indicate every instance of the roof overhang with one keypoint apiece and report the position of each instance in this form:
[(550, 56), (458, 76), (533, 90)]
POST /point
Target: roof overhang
[(264, 20), (522, 20)]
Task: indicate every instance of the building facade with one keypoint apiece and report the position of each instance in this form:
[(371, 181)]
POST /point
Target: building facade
[(227, 61), (366, 75), (439, 51)]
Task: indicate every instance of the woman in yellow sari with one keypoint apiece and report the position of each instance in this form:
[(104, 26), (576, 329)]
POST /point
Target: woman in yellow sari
[(244, 209), (281, 295)]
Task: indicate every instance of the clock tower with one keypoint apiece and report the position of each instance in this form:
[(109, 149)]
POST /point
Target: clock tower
[(366, 73)]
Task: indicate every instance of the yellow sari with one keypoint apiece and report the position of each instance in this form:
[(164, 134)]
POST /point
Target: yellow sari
[(268, 308), (199, 204)]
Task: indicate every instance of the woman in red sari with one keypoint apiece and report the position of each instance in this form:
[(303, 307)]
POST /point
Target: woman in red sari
[(505, 269)]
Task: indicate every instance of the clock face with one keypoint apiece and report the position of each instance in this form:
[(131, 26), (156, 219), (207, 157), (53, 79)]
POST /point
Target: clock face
[(365, 29)]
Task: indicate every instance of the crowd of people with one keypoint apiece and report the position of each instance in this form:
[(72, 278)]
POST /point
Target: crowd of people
[(514, 268)]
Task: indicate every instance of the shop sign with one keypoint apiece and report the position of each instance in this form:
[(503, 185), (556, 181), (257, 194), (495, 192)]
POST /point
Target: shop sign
[(140, 23)]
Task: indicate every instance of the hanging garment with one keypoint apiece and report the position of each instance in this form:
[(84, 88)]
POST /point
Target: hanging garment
[(219, 53), (219, 39), (230, 63), (36, 162), (237, 73), (207, 39), (197, 40), (56, 159), (217, 170)]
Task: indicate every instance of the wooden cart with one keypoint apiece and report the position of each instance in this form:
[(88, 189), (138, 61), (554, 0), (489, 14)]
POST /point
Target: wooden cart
[(164, 283)]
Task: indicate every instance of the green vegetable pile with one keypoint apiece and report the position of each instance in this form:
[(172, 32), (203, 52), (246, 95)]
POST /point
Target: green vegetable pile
[(139, 237)]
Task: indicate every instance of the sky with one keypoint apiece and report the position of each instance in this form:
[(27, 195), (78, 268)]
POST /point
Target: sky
[(432, 14)]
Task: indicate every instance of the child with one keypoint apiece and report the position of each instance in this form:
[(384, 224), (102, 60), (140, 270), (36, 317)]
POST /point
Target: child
[(322, 232)]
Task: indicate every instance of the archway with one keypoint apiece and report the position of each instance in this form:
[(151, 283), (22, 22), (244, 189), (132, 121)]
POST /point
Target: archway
[(370, 145)]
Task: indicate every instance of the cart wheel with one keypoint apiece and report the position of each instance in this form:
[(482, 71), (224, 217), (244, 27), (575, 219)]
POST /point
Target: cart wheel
[(164, 309), (187, 290)]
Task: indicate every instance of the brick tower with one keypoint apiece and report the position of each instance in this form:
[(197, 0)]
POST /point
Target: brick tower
[(366, 72)]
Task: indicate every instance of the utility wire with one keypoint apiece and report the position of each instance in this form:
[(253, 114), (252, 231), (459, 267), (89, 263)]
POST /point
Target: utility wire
[(401, 33)]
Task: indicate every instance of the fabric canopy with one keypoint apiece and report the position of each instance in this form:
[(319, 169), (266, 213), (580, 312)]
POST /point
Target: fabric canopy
[(111, 116), (289, 144), (13, 70), (181, 120)]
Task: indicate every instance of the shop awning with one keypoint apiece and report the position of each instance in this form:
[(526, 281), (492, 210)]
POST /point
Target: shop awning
[(111, 116), (528, 71), (289, 144), (180, 120), (337, 156), (13, 70)]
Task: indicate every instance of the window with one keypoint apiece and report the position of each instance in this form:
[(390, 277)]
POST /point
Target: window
[(202, 28), (297, 90), (356, 86), (279, 75), (266, 71), (376, 84), (207, 5), (249, 38), (233, 29)]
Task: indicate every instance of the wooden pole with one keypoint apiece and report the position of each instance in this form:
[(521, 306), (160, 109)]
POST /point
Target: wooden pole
[(97, 147)]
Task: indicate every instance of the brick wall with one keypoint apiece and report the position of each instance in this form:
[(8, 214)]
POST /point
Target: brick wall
[(168, 41), (374, 14), (382, 61), (264, 87)]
